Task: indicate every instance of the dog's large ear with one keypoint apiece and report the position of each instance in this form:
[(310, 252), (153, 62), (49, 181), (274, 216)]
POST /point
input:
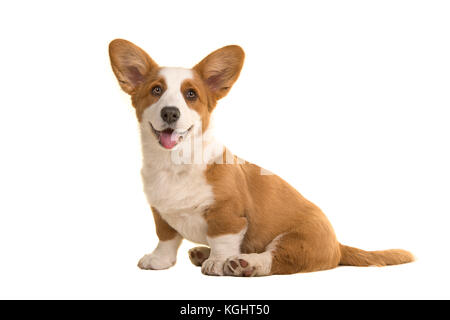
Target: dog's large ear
[(221, 69), (130, 64)]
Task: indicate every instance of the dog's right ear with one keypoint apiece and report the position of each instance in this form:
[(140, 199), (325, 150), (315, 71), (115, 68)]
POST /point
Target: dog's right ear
[(130, 64)]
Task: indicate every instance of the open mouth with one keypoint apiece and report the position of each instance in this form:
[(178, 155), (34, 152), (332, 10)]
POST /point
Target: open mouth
[(169, 138)]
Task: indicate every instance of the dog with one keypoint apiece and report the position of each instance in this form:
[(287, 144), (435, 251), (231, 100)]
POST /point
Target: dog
[(250, 223)]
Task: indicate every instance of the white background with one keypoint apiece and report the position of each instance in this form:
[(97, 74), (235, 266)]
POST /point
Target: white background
[(346, 100)]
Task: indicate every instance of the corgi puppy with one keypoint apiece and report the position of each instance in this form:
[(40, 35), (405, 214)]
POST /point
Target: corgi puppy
[(249, 222)]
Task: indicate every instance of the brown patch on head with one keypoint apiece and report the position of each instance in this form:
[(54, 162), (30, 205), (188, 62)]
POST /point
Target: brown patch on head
[(145, 97), (202, 101)]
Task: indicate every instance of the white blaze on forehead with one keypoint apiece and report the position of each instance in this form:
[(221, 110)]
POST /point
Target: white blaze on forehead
[(174, 77)]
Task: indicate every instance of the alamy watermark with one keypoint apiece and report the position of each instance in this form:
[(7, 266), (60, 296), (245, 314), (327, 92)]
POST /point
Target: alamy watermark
[(199, 149)]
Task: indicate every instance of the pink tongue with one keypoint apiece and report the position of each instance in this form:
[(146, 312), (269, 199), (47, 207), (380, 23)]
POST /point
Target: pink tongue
[(168, 140)]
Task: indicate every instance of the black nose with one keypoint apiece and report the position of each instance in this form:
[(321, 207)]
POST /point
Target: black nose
[(170, 114)]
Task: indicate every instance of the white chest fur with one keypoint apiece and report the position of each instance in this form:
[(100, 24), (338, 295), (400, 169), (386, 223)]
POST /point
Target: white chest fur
[(181, 195), (180, 192)]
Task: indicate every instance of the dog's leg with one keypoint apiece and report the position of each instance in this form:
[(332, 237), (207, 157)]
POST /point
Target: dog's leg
[(299, 251), (222, 247), (165, 254), (252, 264), (286, 254), (163, 257), (225, 234)]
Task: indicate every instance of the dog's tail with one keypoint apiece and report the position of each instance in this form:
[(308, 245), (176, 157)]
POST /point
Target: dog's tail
[(356, 257)]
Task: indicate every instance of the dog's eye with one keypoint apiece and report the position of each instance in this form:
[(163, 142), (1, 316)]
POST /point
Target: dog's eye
[(191, 94), (156, 91)]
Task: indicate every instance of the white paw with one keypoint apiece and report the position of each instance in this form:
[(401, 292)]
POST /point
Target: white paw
[(155, 262), (213, 267), (248, 265)]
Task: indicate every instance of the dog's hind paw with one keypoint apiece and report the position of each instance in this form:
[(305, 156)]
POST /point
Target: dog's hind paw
[(198, 255)]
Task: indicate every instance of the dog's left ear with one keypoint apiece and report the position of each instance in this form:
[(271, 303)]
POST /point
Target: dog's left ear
[(221, 69)]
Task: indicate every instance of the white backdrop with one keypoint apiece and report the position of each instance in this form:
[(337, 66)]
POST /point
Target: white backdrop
[(346, 100)]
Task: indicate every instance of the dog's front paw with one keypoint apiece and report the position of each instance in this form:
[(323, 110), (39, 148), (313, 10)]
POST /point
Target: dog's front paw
[(213, 267), (155, 262)]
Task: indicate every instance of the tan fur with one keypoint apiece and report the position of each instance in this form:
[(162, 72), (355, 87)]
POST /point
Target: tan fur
[(130, 64), (163, 229), (203, 100), (220, 70), (357, 257), (271, 207), (265, 205), (143, 97), (198, 255)]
